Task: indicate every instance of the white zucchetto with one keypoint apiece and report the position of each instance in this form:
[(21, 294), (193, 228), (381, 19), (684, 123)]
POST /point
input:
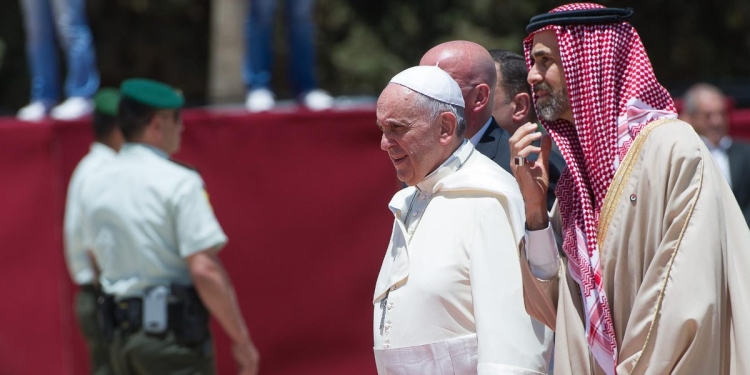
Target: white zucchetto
[(432, 82)]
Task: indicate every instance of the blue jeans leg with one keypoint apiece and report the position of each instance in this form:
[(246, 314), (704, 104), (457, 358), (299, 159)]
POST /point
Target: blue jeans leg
[(301, 35), (256, 69), (41, 50), (77, 42)]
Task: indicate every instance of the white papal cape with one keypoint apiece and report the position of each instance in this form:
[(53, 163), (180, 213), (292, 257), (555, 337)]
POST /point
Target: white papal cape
[(449, 296)]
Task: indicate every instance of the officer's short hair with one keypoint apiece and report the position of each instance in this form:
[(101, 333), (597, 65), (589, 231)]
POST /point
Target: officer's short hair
[(514, 72), (134, 118), (103, 125)]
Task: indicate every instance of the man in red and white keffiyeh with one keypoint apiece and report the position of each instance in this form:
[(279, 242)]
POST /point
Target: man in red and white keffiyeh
[(595, 92)]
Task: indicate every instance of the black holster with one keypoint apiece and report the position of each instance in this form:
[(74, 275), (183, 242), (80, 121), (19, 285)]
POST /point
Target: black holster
[(189, 317), (129, 315), (105, 308)]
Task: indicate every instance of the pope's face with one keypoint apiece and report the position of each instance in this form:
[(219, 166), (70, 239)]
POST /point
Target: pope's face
[(412, 143), (548, 80)]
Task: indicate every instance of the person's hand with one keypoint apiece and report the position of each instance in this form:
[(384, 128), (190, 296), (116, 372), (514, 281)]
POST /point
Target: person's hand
[(247, 358), (532, 176)]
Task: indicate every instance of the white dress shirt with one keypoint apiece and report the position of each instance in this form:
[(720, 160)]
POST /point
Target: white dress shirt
[(143, 216), (477, 137), (719, 152), (449, 293), (76, 258), (544, 260)]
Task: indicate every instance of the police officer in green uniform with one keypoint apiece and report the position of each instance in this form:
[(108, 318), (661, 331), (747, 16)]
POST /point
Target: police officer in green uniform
[(78, 259), (156, 238)]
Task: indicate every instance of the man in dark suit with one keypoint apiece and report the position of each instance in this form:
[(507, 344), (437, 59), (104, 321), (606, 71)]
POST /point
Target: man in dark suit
[(511, 109), (472, 66), (705, 107)]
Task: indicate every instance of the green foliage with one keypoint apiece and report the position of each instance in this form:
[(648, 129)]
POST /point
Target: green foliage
[(361, 44), (687, 41)]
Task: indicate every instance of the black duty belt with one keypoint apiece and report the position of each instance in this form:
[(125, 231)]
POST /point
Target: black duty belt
[(89, 288), (186, 314), (128, 314)]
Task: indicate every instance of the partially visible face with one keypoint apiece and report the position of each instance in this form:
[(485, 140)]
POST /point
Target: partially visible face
[(547, 78), (710, 117), (412, 143), (502, 108), (172, 127), (458, 65)]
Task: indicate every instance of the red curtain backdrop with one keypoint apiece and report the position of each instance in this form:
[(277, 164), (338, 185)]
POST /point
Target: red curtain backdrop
[(302, 197)]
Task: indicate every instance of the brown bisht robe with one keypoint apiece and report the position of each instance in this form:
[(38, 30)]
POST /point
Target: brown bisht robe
[(675, 254)]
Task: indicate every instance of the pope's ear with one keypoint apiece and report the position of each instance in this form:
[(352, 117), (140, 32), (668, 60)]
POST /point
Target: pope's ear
[(448, 127)]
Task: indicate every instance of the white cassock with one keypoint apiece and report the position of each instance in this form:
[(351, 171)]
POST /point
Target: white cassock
[(449, 296)]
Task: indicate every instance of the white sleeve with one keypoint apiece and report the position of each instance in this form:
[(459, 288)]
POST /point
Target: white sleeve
[(541, 252), (197, 227), (510, 341), (74, 244)]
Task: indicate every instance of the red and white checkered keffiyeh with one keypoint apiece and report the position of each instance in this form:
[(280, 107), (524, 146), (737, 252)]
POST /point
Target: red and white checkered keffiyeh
[(613, 94)]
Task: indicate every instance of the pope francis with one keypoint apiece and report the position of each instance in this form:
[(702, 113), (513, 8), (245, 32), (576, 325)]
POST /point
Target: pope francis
[(449, 298)]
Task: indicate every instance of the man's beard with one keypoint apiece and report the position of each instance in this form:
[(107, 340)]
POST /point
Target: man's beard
[(551, 107)]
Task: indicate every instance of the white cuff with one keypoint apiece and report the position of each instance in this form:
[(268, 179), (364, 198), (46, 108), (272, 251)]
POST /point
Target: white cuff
[(544, 260), (499, 369)]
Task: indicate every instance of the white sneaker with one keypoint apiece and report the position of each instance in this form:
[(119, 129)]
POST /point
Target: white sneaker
[(259, 100), (317, 100), (72, 108), (34, 111)]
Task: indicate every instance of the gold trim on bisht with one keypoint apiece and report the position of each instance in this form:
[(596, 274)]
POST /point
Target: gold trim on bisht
[(621, 177)]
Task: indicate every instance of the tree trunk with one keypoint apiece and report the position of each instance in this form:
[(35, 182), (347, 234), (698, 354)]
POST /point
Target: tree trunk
[(227, 46)]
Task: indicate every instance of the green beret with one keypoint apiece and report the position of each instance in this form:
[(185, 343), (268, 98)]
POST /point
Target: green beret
[(152, 93), (106, 101)]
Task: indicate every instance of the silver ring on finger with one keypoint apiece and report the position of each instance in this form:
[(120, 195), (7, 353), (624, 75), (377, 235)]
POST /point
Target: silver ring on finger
[(519, 161)]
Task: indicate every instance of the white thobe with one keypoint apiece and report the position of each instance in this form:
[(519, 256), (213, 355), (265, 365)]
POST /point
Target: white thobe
[(449, 294)]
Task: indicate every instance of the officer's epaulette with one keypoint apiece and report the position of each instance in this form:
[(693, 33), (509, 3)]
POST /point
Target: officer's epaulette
[(183, 164)]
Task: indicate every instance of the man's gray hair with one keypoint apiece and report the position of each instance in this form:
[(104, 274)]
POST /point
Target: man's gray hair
[(435, 108), (689, 104)]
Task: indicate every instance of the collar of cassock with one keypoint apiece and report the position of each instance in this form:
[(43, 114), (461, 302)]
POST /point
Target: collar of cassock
[(450, 165)]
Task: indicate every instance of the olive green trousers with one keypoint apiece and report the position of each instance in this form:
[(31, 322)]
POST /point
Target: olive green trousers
[(142, 354), (86, 313)]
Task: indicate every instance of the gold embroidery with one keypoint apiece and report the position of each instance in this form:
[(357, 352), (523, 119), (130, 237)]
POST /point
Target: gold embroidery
[(621, 177)]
